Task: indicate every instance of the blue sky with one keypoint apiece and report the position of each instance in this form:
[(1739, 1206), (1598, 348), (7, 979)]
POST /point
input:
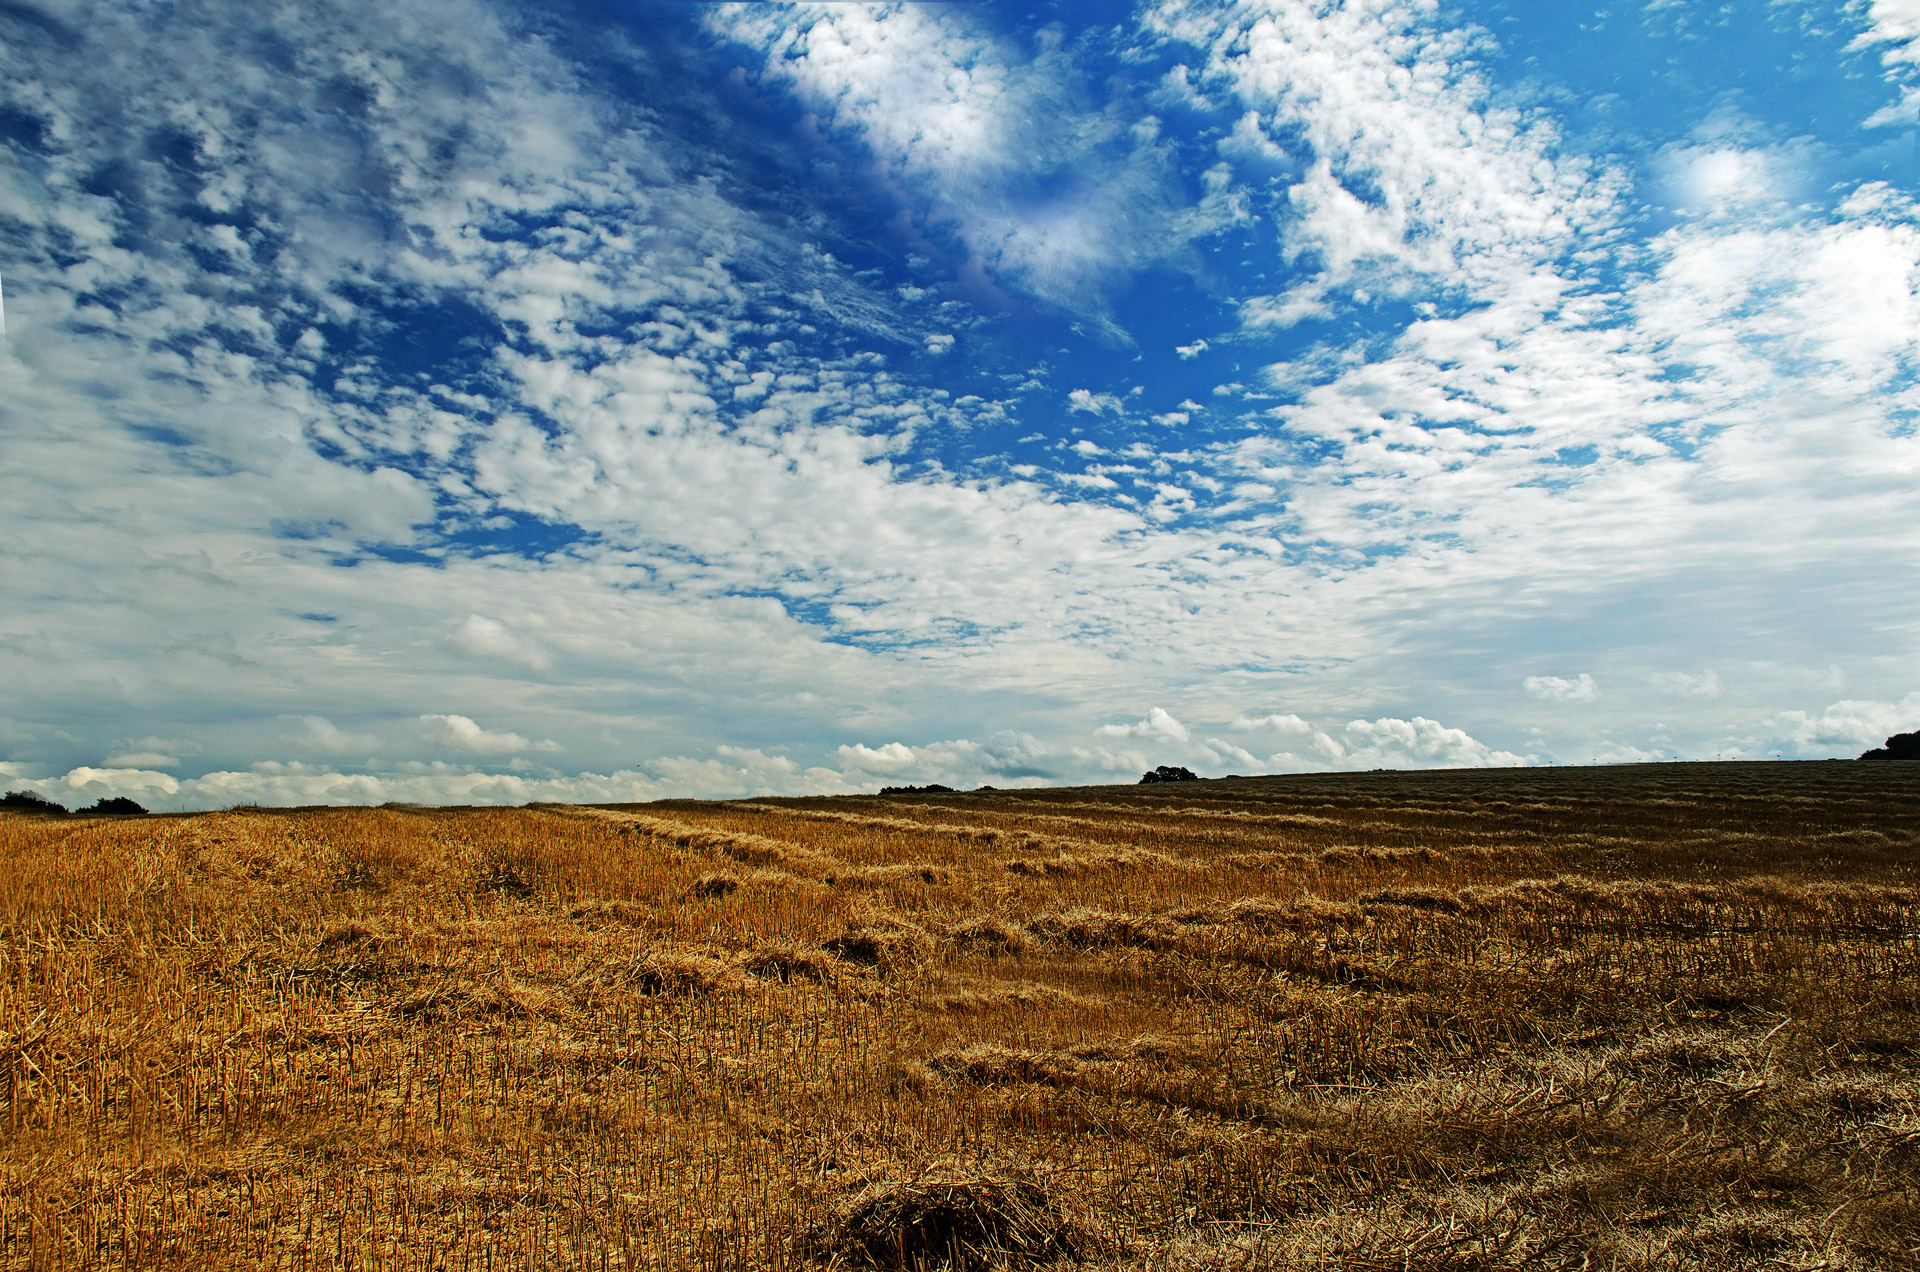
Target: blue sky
[(467, 402)]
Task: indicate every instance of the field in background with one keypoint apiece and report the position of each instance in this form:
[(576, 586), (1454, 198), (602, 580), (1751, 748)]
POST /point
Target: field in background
[(1645, 1017)]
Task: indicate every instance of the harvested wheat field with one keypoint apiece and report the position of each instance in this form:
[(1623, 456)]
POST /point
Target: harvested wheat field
[(1644, 1017)]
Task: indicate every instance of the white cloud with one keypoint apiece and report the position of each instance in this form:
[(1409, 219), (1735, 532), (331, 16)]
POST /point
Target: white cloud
[(1388, 742), (1287, 725), (460, 731), (490, 638), (1088, 402), (736, 771), (1190, 351), (1053, 195), (1249, 146), (1581, 688), (320, 734), (1895, 23), (802, 498), (731, 772), (1564, 428), (141, 760), (1682, 684), (1446, 432), (1849, 725), (1289, 309), (87, 783), (1158, 725), (1722, 176), (1418, 743), (1006, 758), (1388, 102), (890, 758), (1624, 753), (150, 753), (1224, 755)]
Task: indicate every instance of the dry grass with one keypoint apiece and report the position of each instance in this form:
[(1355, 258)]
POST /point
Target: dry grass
[(1640, 1018)]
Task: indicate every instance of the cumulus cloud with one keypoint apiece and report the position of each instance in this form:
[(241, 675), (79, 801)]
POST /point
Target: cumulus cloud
[(736, 771), (1086, 401), (1158, 724), (1220, 755), (1006, 758), (890, 758), (1287, 725), (461, 731), (1418, 743), (1581, 688), (320, 734), (150, 753), (1849, 725), (86, 782), (1387, 742), (729, 772)]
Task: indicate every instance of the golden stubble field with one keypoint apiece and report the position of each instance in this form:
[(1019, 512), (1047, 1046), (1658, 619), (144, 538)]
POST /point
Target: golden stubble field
[(1644, 1017)]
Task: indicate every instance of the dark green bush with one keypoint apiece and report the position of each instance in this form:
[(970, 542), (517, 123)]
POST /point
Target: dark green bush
[(30, 802)]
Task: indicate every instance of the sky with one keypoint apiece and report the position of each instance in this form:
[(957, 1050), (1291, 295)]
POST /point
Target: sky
[(459, 402)]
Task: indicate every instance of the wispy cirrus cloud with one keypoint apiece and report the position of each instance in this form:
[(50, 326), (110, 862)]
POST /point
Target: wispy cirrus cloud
[(995, 139)]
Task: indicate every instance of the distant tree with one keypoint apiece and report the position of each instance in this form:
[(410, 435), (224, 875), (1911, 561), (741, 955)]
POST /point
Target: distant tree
[(1901, 746), (118, 806), (933, 788), (29, 802), (1169, 773)]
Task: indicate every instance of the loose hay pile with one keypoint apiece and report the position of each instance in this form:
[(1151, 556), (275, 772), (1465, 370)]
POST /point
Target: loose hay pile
[(885, 943), (950, 1215)]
